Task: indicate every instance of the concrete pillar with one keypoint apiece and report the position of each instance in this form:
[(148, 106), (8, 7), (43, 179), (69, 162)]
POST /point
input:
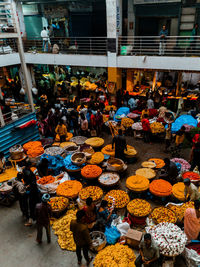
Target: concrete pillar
[(27, 79), (114, 29), (21, 18)]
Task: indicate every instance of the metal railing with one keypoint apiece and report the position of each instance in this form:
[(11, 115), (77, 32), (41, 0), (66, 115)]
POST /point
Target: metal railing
[(7, 20), (67, 45), (154, 45), (8, 46), (18, 112)]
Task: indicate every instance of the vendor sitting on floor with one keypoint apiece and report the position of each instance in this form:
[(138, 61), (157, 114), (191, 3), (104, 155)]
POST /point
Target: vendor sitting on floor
[(2, 162), (42, 167), (105, 216), (90, 212), (192, 221), (191, 192), (149, 253), (61, 131), (169, 172)]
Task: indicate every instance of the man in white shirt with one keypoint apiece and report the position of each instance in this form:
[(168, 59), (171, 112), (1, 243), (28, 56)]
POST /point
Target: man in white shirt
[(150, 103), (45, 37)]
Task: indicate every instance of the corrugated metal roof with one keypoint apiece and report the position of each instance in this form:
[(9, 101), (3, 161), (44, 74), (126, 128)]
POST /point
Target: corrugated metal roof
[(10, 136)]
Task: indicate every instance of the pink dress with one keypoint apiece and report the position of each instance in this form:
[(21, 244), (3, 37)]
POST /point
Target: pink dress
[(191, 224)]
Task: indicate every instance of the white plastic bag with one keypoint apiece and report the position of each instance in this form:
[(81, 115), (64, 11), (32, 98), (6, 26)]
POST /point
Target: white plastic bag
[(123, 228), (192, 257)]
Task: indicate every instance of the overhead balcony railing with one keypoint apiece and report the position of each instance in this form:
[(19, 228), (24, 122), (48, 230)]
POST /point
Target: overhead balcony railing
[(7, 19), (8, 46), (67, 45), (178, 46)]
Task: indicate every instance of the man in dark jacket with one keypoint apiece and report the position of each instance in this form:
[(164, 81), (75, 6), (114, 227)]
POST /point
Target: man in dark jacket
[(81, 236), (120, 145), (170, 171), (43, 214)]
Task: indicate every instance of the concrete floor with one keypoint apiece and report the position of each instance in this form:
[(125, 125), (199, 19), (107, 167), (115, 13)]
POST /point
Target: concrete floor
[(18, 247)]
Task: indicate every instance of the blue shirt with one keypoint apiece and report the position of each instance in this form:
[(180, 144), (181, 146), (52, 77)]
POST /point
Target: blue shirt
[(165, 33)]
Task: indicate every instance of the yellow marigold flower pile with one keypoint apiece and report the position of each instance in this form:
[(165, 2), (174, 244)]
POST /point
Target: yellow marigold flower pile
[(126, 122), (61, 228), (180, 210), (95, 141), (157, 127), (69, 188), (94, 192), (146, 172), (178, 191), (108, 108), (139, 207), (130, 151), (58, 203), (108, 150), (137, 183), (159, 162), (148, 164), (65, 144), (115, 256), (162, 214), (120, 196), (97, 158)]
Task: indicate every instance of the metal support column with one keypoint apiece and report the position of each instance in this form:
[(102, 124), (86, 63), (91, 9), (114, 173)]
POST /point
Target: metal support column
[(28, 83)]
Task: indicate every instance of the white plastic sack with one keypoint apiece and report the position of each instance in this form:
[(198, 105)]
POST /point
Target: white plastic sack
[(116, 221), (123, 228), (192, 257)]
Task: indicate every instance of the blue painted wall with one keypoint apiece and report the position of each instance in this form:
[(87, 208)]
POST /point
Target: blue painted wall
[(9, 136)]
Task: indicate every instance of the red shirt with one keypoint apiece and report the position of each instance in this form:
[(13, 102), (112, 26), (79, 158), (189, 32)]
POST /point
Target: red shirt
[(93, 120), (146, 125)]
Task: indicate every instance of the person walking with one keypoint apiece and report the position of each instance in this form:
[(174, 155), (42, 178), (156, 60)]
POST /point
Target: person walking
[(81, 237), (45, 38), (168, 137), (43, 214), (120, 145), (163, 34), (31, 191), (19, 190)]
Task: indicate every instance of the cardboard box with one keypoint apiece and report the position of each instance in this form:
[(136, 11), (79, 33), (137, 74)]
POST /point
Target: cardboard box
[(133, 238)]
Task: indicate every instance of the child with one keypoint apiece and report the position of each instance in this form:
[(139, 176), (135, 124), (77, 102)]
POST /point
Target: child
[(61, 130), (168, 137)]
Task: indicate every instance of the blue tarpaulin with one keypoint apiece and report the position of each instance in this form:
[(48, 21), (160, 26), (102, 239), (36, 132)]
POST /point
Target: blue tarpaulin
[(180, 121), (121, 111)]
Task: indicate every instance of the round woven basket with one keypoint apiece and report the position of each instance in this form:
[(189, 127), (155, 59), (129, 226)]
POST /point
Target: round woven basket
[(113, 161), (71, 149), (79, 140), (78, 158), (111, 184), (96, 245), (58, 212), (16, 152)]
